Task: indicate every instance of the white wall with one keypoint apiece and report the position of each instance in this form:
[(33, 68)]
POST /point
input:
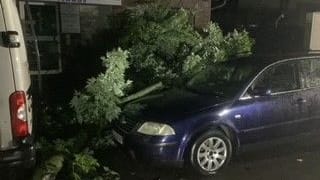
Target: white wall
[(314, 31)]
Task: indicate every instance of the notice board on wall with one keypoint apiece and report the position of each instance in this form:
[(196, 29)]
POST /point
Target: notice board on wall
[(94, 2), (70, 18)]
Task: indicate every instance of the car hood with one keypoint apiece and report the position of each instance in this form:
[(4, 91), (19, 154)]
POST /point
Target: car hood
[(178, 104)]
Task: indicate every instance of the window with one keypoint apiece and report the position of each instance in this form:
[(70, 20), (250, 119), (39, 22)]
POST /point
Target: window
[(310, 72), (278, 78), (47, 28)]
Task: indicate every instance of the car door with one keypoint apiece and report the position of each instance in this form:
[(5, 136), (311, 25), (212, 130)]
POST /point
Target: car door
[(276, 111), (310, 75)]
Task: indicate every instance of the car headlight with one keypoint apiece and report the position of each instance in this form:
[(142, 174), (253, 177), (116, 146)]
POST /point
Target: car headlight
[(156, 129)]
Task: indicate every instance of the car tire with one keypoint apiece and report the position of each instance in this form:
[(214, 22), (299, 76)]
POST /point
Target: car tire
[(210, 152)]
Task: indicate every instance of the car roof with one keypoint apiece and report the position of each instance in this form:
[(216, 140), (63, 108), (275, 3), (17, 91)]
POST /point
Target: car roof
[(263, 60)]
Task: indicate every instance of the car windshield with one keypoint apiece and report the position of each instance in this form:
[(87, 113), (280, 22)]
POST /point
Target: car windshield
[(222, 79)]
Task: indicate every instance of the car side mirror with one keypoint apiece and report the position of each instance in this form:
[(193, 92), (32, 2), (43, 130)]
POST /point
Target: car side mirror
[(260, 91)]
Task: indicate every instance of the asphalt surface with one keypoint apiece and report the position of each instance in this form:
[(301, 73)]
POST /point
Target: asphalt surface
[(291, 158)]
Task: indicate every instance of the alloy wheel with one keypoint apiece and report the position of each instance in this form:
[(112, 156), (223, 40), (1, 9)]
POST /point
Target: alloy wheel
[(212, 154)]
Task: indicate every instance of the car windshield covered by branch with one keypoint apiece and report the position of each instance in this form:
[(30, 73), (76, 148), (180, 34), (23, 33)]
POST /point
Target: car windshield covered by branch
[(223, 79)]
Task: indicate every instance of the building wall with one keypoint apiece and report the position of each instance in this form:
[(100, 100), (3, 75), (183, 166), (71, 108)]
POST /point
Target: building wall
[(278, 26), (202, 9), (95, 18)]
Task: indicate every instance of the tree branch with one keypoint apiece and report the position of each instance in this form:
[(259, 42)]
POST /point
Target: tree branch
[(142, 93)]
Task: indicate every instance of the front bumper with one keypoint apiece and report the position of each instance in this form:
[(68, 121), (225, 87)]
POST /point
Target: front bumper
[(18, 157), (158, 151)]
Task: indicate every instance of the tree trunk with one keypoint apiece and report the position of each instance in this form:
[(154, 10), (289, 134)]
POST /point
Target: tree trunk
[(142, 93), (50, 168)]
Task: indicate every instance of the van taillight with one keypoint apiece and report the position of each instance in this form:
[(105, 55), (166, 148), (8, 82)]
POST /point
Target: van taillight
[(18, 108)]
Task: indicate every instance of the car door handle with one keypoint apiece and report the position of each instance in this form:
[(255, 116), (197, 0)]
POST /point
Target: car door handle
[(300, 101)]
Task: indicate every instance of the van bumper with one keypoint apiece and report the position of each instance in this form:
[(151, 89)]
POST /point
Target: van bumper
[(19, 157)]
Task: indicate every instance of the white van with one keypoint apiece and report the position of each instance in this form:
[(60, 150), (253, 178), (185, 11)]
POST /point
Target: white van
[(16, 142)]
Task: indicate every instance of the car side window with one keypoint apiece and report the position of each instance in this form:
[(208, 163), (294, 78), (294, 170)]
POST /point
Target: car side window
[(278, 78), (310, 72)]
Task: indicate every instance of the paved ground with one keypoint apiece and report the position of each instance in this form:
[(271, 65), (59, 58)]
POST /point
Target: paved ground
[(294, 158)]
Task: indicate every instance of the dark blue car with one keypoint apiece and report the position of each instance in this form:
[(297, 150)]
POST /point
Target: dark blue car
[(231, 104)]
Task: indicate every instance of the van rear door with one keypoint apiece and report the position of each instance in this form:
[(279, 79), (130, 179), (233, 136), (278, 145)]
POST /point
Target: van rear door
[(7, 88), (18, 65)]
